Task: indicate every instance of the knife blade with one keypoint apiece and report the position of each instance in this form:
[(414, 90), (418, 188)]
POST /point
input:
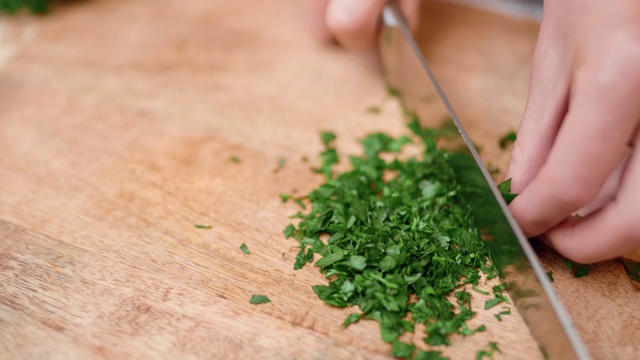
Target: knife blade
[(408, 73)]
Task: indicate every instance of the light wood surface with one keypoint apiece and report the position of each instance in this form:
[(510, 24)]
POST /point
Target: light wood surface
[(117, 122)]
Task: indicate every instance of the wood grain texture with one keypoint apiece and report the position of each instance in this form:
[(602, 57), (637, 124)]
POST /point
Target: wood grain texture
[(117, 122)]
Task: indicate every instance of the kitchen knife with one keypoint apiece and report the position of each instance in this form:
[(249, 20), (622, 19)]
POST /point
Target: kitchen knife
[(408, 73)]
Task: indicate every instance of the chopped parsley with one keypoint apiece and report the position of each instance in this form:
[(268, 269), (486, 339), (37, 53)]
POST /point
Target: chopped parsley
[(373, 110), (198, 226), (493, 302), (245, 249), (505, 190), (579, 270), (259, 299), (493, 347), (507, 139), (478, 290), (327, 137), (281, 162), (13, 6), (300, 203), (399, 239), (633, 269), (393, 92), (402, 350), (352, 318), (235, 160), (499, 315)]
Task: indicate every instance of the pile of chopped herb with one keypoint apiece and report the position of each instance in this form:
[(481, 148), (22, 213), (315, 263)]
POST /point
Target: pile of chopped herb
[(396, 239), (13, 6)]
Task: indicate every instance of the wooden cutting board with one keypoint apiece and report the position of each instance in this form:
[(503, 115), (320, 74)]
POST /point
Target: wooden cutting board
[(118, 120)]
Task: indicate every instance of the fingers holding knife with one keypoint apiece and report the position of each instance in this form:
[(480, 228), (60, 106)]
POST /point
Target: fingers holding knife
[(353, 23)]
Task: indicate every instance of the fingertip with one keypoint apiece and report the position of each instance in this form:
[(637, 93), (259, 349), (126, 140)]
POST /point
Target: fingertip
[(601, 236), (354, 23)]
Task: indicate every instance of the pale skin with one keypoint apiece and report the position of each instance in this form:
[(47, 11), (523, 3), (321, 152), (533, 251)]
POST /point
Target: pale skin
[(576, 150)]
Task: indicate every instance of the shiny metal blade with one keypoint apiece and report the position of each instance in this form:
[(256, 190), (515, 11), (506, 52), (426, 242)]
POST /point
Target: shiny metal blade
[(407, 71)]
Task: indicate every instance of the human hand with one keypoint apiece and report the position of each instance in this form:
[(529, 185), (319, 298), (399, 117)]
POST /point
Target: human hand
[(582, 118), (353, 23)]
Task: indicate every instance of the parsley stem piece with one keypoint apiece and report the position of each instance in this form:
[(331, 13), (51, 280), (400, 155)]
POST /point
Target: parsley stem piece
[(478, 290)]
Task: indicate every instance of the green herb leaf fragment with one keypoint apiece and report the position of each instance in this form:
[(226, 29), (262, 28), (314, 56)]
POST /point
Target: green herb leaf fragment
[(259, 299), (300, 203), (199, 226), (569, 264), (288, 231), (327, 138), (285, 197), (550, 274), (357, 262), (493, 347), (235, 160), (493, 302), (579, 270), (505, 190), (281, 162), (633, 269), (245, 249), (373, 110), (330, 259), (402, 350), (351, 319), (499, 315), (13, 6), (478, 290), (507, 139), (393, 92)]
